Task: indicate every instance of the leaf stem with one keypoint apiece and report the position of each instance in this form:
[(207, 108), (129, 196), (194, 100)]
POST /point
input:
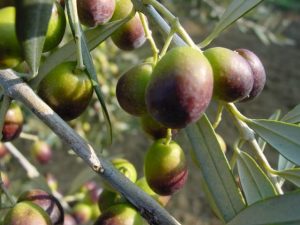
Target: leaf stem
[(32, 172), (248, 135), (218, 118), (167, 43), (169, 136), (28, 136), (148, 34), (78, 35), (173, 20)]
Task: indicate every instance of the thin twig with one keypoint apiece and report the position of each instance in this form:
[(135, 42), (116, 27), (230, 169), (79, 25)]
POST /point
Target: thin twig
[(32, 172)]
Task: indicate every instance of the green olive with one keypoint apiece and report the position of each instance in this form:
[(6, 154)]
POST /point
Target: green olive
[(10, 49), (122, 214), (56, 27), (130, 90), (27, 213), (126, 168), (13, 123), (130, 35), (66, 90), (165, 167)]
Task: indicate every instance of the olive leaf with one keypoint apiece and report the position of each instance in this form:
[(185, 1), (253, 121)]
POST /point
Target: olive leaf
[(284, 137), (32, 18), (255, 183), (274, 116), (282, 209), (292, 116), (283, 163), (235, 10), (215, 168), (292, 175)]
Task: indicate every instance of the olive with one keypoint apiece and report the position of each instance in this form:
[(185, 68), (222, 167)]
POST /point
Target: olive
[(233, 78), (13, 123), (126, 168), (82, 213), (165, 167), (142, 183), (109, 198), (130, 35), (95, 12), (121, 214), (27, 213), (131, 88), (56, 27), (47, 202), (41, 151), (69, 220), (10, 49), (258, 71), (66, 90), (180, 88)]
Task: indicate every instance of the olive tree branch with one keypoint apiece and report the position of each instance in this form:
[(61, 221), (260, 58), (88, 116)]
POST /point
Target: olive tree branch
[(32, 172), (17, 89)]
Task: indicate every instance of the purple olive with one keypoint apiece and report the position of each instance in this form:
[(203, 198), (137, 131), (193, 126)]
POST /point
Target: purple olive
[(258, 71), (95, 12), (233, 78), (180, 88), (47, 202)]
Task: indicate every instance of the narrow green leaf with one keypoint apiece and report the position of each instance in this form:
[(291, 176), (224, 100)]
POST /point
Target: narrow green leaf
[(32, 17), (292, 175), (284, 137), (256, 185), (215, 168), (234, 11), (274, 116), (279, 210), (284, 164), (68, 52), (292, 116)]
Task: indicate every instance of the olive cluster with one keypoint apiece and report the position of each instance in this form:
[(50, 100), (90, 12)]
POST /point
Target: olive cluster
[(176, 92)]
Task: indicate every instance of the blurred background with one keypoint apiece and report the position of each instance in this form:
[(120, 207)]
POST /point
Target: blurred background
[(272, 31)]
